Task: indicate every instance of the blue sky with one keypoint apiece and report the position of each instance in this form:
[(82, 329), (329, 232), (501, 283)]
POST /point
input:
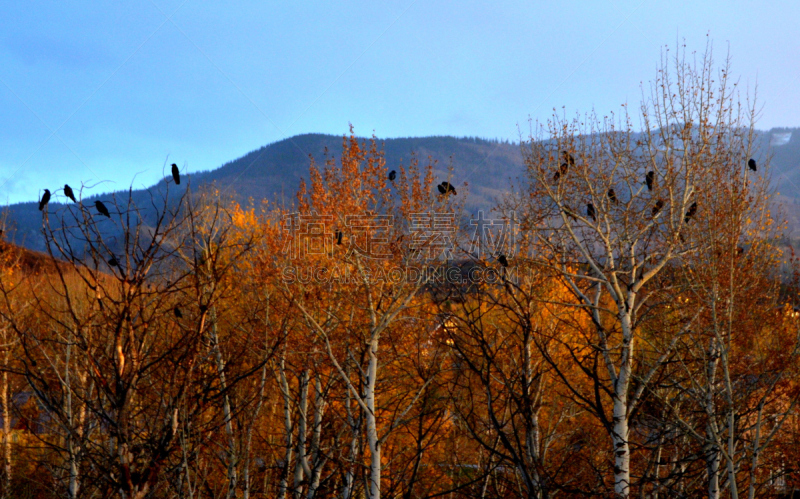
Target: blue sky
[(94, 91)]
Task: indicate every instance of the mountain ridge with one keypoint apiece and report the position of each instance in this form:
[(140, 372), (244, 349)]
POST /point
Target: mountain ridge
[(489, 167)]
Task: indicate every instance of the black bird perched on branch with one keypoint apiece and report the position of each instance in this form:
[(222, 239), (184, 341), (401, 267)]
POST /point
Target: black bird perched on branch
[(612, 195), (503, 260), (177, 312), (113, 261), (591, 212), (650, 179), (562, 170), (752, 165), (176, 174), (446, 188), (45, 199), (657, 207), (392, 175), (68, 192), (338, 236), (568, 157), (102, 208), (690, 213)]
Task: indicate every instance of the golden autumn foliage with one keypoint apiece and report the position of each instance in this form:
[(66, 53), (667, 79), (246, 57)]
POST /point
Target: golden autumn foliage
[(298, 350)]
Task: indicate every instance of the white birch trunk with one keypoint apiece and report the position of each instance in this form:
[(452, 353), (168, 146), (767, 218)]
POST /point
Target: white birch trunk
[(712, 450), (233, 457), (355, 428), (73, 450), (301, 465), (317, 460), (622, 456), (288, 429), (372, 424), (532, 430), (249, 444)]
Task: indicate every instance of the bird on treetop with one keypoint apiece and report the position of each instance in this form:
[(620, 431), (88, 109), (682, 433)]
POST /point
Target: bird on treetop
[(176, 174), (45, 199), (591, 212), (446, 188), (561, 171), (392, 175), (752, 165), (102, 208), (657, 207), (690, 213), (650, 179), (68, 192)]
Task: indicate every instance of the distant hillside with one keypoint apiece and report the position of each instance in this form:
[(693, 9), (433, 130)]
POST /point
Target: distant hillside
[(489, 167), (274, 172), (27, 261)]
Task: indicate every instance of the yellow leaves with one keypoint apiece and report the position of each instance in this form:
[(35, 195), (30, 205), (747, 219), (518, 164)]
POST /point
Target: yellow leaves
[(243, 219)]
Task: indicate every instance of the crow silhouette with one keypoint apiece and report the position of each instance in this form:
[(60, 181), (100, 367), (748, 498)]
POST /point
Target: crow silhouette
[(446, 188), (591, 212), (177, 312), (657, 207), (690, 213), (68, 192), (45, 199), (113, 261), (752, 165), (612, 196), (102, 208), (392, 175), (562, 170), (650, 180), (338, 237), (503, 260), (176, 174), (568, 157)]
